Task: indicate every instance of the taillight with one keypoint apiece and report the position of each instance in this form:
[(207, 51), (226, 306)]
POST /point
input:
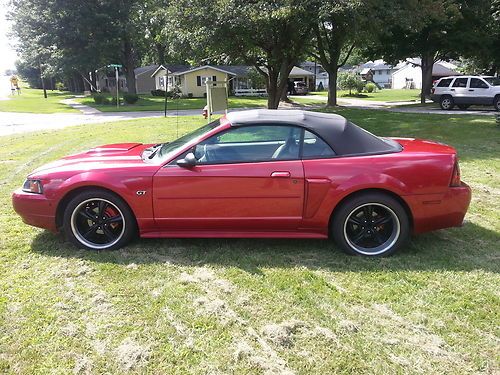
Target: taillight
[(455, 178), (432, 90)]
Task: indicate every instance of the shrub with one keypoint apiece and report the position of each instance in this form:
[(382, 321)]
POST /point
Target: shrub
[(370, 87), (360, 85), (158, 92), (130, 98), (60, 86), (113, 100), (100, 98), (190, 95)]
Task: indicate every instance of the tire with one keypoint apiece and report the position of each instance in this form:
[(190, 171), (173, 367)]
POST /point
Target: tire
[(446, 102), (463, 107), (496, 102), (388, 230), (98, 220)]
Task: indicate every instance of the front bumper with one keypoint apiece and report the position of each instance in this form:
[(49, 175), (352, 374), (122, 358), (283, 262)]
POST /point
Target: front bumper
[(438, 211), (35, 209)]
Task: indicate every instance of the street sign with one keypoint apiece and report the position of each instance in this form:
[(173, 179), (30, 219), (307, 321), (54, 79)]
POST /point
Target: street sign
[(115, 66)]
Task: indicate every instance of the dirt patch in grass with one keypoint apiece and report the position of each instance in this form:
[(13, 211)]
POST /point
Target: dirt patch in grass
[(131, 355)]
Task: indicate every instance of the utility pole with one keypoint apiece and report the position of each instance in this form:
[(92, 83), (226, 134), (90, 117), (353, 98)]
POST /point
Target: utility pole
[(166, 94)]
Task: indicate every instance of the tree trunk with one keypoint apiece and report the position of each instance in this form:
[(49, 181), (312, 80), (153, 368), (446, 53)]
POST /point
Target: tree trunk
[(129, 58), (273, 98), (427, 65), (160, 51), (332, 85)]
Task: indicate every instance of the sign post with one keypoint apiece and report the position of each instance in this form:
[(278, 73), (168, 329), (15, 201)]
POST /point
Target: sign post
[(116, 66)]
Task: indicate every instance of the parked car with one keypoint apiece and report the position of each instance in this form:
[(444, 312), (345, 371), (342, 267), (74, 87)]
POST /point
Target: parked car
[(465, 91), (301, 88), (258, 173)]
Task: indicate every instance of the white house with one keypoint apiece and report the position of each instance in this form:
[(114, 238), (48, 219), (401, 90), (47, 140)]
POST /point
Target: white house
[(409, 74), (382, 72)]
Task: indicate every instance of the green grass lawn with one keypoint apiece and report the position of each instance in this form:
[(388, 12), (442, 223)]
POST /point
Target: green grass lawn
[(155, 103), (32, 101), (238, 306), (384, 95)]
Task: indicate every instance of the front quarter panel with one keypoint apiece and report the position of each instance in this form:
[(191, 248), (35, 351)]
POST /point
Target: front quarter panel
[(125, 183)]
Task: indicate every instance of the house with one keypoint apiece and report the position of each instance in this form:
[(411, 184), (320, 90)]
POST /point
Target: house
[(144, 83), (367, 74), (409, 74), (382, 72), (312, 67), (190, 80), (106, 80)]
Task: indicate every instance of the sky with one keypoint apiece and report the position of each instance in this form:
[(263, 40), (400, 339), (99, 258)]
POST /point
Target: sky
[(7, 53)]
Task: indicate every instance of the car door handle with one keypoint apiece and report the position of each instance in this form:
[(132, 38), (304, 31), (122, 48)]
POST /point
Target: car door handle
[(281, 174), (471, 90), (452, 89)]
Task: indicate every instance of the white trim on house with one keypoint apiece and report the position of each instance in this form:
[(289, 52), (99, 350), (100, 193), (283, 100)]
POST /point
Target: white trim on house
[(160, 67), (202, 67)]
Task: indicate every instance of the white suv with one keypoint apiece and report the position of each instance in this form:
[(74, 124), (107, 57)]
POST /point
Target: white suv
[(465, 91)]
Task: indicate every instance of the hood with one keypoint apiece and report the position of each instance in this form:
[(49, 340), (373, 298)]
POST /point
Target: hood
[(110, 156)]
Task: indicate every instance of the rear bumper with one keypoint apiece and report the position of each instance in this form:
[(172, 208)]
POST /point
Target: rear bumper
[(35, 209), (435, 98), (438, 211)]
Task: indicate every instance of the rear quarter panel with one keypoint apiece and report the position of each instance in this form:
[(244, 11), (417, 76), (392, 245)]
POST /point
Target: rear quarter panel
[(423, 169)]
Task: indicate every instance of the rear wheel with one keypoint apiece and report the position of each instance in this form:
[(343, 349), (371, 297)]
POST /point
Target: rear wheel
[(496, 102), (98, 220), (372, 224), (446, 102), (463, 107)]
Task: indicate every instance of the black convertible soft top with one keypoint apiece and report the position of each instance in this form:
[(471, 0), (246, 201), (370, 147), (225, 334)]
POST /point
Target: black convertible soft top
[(343, 136)]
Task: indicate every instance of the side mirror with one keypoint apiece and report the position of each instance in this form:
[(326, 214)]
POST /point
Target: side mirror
[(188, 161)]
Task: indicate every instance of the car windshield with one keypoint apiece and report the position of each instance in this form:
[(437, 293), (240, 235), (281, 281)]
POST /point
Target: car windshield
[(167, 148), (493, 81)]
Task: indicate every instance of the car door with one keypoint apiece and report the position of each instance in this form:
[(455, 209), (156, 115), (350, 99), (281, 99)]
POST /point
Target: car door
[(247, 178), (480, 91), (460, 91)]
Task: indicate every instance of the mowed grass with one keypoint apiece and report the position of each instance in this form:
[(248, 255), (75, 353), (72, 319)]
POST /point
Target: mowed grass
[(155, 103), (33, 101), (241, 306)]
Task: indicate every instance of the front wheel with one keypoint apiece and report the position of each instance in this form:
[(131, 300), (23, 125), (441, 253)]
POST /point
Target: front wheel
[(98, 220), (446, 102), (372, 224)]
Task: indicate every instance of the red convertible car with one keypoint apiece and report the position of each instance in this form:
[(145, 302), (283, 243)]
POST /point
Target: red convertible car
[(258, 173)]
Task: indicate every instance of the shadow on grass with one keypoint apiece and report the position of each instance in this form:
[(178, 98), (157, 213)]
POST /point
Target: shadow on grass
[(459, 249)]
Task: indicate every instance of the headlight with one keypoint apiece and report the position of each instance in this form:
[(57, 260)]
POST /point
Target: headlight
[(33, 186)]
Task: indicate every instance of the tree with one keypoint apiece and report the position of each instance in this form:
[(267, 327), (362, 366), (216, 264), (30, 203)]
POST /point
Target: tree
[(350, 81), (269, 35), (341, 24), (436, 30)]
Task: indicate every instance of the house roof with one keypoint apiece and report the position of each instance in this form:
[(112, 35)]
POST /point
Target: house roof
[(171, 68), (145, 69), (365, 70), (296, 71), (220, 68), (439, 69), (343, 136)]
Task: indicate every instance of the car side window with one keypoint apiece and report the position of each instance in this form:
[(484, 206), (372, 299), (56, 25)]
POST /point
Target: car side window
[(460, 82), (477, 83), (314, 147), (444, 82), (254, 143)]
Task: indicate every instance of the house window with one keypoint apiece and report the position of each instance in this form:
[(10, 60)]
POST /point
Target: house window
[(161, 81), (202, 80)]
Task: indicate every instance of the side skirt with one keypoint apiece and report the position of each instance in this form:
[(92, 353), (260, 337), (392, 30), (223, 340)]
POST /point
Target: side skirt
[(214, 234)]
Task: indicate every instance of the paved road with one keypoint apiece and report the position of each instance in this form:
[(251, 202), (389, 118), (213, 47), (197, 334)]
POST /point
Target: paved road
[(12, 122)]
